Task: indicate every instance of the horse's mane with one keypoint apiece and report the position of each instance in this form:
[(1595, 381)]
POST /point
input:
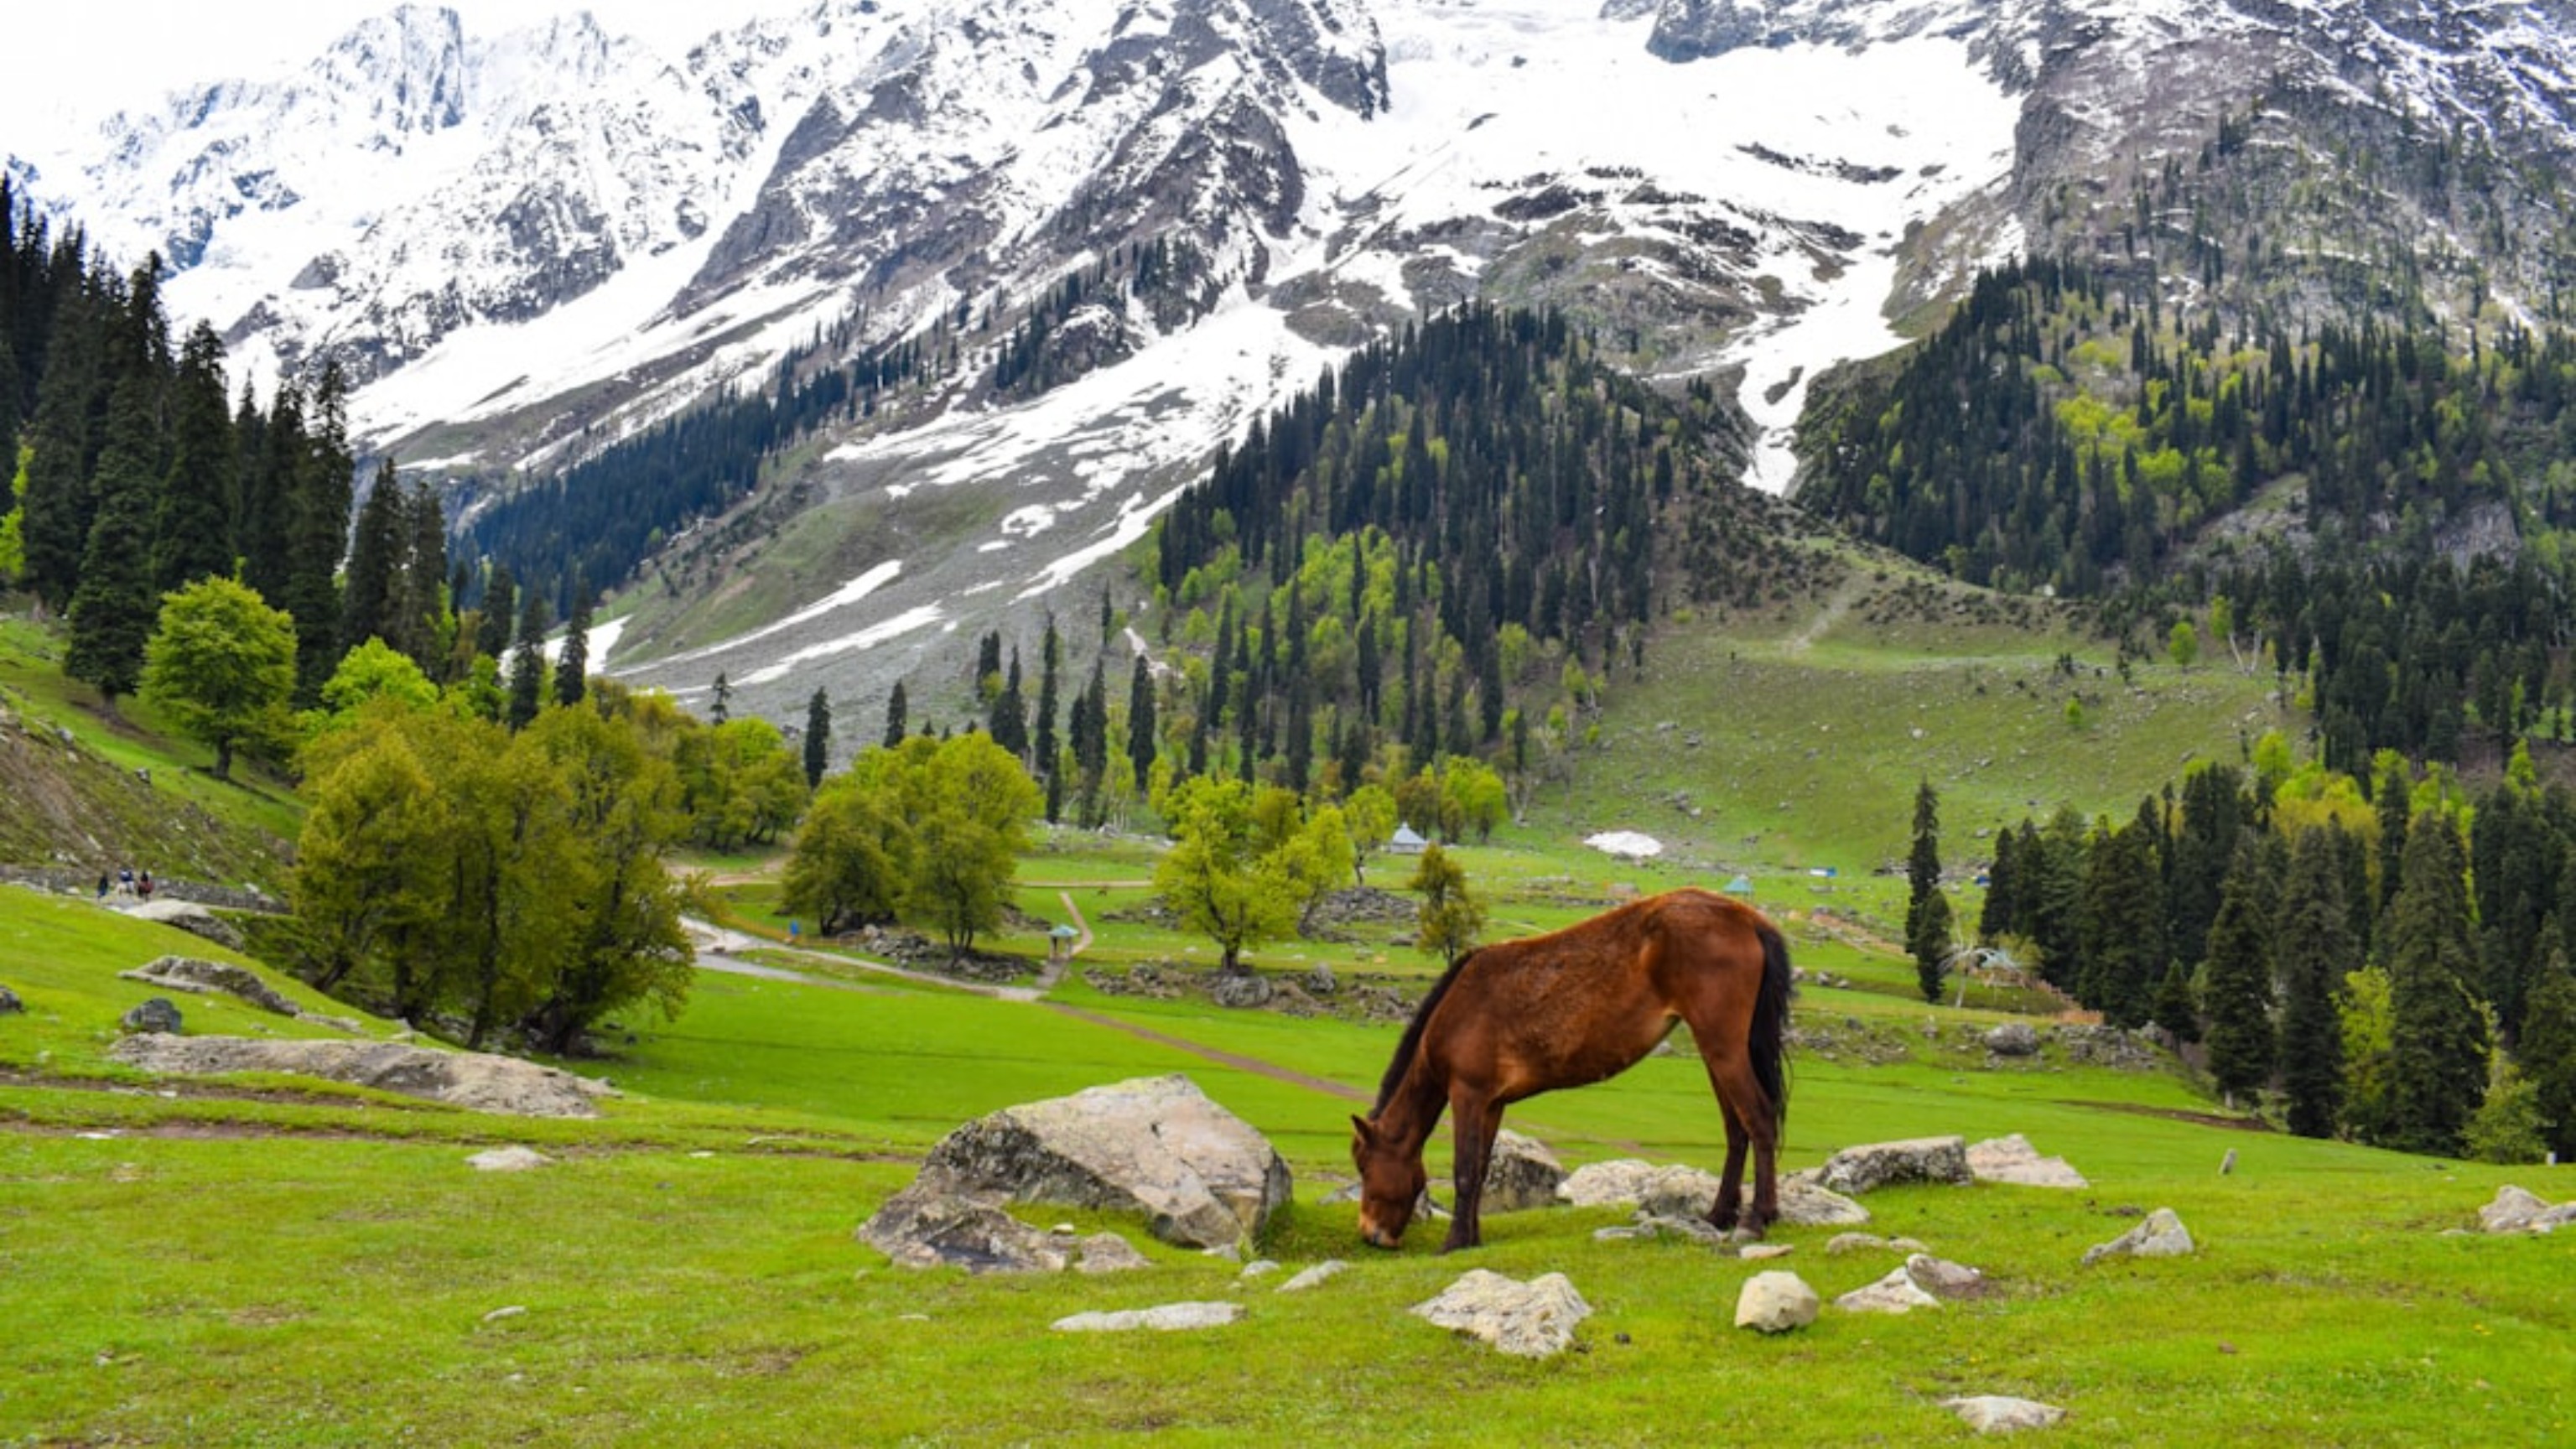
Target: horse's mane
[(1412, 1042)]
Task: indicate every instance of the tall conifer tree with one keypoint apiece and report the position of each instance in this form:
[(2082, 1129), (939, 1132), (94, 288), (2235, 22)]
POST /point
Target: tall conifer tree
[(2314, 951), (572, 666), (192, 529), (115, 606), (818, 738), (2237, 996), (2437, 1059)]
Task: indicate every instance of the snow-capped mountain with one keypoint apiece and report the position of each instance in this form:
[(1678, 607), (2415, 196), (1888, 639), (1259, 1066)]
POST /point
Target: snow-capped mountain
[(528, 245)]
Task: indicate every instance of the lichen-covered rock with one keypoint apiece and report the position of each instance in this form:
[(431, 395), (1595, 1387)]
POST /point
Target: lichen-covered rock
[(1944, 1279), (2003, 1414), (927, 1226), (477, 1080), (1856, 1170), (1776, 1302), (2162, 1235), (1110, 1253), (1320, 1273), (1535, 1319), (153, 1019), (2013, 1039), (187, 973), (1200, 1176), (1895, 1293), (1168, 1318), (1522, 1175), (1805, 1205), (2012, 1159), (190, 917)]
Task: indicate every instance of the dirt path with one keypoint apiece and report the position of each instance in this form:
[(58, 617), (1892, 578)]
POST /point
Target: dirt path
[(720, 950), (1826, 618), (1240, 1063)]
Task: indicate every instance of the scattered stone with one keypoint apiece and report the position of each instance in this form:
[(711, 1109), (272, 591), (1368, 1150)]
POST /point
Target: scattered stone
[(929, 1226), (2013, 1039), (1775, 1302), (1805, 1205), (1313, 1276), (1347, 1192), (1895, 1293), (1842, 1243), (192, 918), (2001, 1414), (1764, 1252), (1522, 1175), (1944, 1279), (2162, 1235), (187, 973), (2012, 1159), (508, 1159), (1169, 1318), (1907, 1246), (476, 1080), (2227, 1164), (1241, 990), (1856, 1170), (1110, 1253), (1667, 1189), (9, 1002), (2517, 1211), (1258, 1268), (1630, 1234), (1201, 1176), (1669, 1225), (1228, 1251), (497, 1314), (1535, 1319), (155, 1017), (1320, 981)]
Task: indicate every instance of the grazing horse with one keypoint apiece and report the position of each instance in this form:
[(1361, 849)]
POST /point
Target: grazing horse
[(1573, 1007)]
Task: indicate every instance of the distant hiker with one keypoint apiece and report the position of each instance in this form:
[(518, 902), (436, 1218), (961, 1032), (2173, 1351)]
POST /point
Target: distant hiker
[(103, 884), (144, 886), (125, 880), (791, 930)]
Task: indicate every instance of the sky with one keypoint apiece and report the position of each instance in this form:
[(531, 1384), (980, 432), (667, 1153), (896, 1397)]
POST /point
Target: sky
[(76, 63)]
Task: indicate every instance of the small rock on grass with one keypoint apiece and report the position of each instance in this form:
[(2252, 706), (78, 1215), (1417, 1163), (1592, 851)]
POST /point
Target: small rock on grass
[(1110, 1253), (497, 1314), (1764, 1252), (2162, 1235), (1535, 1319), (1895, 1293), (1168, 1318), (507, 1159), (1775, 1302), (1312, 1276), (2003, 1414)]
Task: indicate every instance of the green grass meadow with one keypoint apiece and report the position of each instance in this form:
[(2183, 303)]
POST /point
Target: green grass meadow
[(269, 1263)]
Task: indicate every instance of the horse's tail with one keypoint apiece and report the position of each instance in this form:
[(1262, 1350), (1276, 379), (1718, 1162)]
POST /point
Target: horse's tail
[(1769, 1044)]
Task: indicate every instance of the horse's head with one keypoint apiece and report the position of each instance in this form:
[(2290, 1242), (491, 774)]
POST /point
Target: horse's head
[(1391, 1182)]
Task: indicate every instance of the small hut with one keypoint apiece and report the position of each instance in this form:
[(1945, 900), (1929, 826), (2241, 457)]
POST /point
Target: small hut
[(1405, 842)]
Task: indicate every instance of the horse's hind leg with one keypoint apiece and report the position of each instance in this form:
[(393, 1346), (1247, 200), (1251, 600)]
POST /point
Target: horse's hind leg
[(1751, 1121)]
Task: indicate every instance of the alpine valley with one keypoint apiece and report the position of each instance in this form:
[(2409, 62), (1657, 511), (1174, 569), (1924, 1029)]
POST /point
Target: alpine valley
[(940, 304)]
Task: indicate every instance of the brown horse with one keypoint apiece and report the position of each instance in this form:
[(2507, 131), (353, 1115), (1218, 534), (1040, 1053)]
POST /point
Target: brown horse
[(1573, 1007)]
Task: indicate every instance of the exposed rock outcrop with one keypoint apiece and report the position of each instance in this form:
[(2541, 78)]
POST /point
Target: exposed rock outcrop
[(477, 1080)]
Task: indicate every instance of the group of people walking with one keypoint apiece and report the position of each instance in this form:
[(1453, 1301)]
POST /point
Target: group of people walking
[(125, 883)]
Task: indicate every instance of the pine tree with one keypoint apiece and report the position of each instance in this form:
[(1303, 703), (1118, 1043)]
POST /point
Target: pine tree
[(2548, 1047), (263, 526), (1009, 719), (115, 606), (818, 738), (61, 442), (318, 537), (500, 612), (2437, 1065), (1042, 749), (528, 662), (572, 666), (420, 623), (371, 587), (1140, 719), (895, 723), (2175, 1010), (1929, 941), (2236, 994), (192, 528), (722, 708), (1923, 882), (2003, 884), (2313, 950), (2123, 932)]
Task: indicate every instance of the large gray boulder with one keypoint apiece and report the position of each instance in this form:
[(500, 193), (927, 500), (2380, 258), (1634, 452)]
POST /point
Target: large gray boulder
[(2012, 1159), (2162, 1235), (1856, 1170), (1157, 1146), (2013, 1039), (1522, 1175), (187, 973), (2516, 1210), (1535, 1319), (190, 917), (476, 1080)]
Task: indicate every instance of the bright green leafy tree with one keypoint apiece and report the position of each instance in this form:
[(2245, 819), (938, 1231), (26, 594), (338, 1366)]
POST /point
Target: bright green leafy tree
[(222, 667)]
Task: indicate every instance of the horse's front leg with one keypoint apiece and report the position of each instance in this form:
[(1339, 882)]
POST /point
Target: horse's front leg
[(1475, 1121)]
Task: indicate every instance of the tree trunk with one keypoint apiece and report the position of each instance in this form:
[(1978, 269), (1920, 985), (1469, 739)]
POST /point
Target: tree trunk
[(224, 759)]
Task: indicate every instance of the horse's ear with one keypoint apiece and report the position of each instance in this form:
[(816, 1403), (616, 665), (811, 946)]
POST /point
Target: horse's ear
[(1367, 1133)]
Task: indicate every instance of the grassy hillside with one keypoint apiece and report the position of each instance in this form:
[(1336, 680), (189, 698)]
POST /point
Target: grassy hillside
[(78, 793), (688, 1276)]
